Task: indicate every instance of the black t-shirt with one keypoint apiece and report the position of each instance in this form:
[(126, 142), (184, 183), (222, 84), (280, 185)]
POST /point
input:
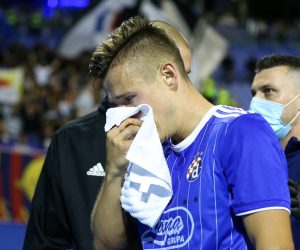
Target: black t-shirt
[(66, 192)]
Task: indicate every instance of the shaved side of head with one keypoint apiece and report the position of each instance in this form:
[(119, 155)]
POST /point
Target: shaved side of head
[(179, 39)]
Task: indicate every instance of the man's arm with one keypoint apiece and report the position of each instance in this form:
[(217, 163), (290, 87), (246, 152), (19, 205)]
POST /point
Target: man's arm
[(108, 225), (269, 229)]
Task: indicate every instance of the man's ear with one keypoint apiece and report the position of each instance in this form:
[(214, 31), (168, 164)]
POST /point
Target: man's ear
[(169, 73)]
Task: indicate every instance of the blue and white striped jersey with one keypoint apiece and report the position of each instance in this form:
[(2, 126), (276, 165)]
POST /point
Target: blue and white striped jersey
[(230, 165)]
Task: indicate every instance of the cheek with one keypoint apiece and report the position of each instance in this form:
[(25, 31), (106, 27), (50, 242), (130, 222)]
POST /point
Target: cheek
[(144, 97), (289, 113), (149, 99), (260, 95), (159, 117)]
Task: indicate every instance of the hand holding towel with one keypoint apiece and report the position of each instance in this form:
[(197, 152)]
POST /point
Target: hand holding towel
[(147, 188)]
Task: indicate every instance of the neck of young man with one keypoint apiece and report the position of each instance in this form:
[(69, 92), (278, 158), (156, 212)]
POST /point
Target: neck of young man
[(195, 108)]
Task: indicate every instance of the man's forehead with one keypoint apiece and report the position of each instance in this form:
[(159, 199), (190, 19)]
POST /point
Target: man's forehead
[(114, 78), (275, 71), (107, 86), (272, 75), (108, 91), (118, 83), (280, 78)]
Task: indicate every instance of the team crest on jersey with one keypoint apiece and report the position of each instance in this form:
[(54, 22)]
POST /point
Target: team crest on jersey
[(194, 169)]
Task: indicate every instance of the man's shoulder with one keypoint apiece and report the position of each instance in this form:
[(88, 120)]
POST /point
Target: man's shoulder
[(85, 135), (86, 123), (242, 124), (231, 115)]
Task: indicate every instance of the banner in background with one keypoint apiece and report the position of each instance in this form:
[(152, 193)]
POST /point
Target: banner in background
[(11, 84), (97, 24), (92, 28), (19, 171), (168, 12), (209, 48)]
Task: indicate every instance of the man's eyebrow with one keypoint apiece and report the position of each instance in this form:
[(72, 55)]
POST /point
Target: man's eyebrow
[(119, 96), (122, 96), (262, 87), (265, 85)]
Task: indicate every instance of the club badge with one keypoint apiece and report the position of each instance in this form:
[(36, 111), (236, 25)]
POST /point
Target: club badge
[(194, 169)]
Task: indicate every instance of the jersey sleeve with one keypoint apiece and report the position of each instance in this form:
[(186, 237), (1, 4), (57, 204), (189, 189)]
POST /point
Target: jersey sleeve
[(47, 227), (255, 166)]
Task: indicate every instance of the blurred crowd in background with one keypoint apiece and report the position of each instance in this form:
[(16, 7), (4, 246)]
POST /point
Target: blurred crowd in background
[(41, 88), (53, 90)]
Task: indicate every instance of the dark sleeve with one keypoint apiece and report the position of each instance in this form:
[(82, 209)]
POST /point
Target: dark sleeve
[(48, 227)]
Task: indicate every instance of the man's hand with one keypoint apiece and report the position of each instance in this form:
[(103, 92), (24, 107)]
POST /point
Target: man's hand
[(294, 188), (118, 141), (108, 226)]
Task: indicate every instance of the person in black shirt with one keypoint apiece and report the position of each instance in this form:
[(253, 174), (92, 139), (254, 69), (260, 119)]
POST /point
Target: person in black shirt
[(67, 187)]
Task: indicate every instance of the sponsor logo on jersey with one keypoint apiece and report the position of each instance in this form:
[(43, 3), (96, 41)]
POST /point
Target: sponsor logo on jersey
[(194, 170), (174, 230), (96, 170)]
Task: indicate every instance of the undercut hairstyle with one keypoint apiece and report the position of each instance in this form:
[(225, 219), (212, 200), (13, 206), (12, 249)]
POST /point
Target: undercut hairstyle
[(136, 42), (173, 33), (275, 60)]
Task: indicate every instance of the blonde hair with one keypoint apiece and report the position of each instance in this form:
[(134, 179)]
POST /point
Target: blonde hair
[(138, 41)]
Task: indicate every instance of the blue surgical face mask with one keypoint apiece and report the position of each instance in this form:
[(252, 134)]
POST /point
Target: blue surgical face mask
[(272, 112)]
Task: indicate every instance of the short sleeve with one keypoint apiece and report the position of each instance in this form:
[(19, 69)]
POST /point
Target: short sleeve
[(254, 166)]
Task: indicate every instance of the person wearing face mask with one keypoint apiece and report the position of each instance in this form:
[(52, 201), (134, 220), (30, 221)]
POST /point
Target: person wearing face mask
[(276, 96)]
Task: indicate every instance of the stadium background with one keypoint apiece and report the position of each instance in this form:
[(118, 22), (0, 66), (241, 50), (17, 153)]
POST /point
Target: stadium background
[(45, 47)]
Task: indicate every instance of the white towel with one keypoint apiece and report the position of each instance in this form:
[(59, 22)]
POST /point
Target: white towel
[(147, 188)]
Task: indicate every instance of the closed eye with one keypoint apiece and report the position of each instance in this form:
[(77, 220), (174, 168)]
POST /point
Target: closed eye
[(126, 100), (106, 103)]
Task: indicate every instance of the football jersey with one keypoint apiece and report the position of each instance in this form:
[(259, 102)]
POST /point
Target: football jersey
[(230, 165)]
